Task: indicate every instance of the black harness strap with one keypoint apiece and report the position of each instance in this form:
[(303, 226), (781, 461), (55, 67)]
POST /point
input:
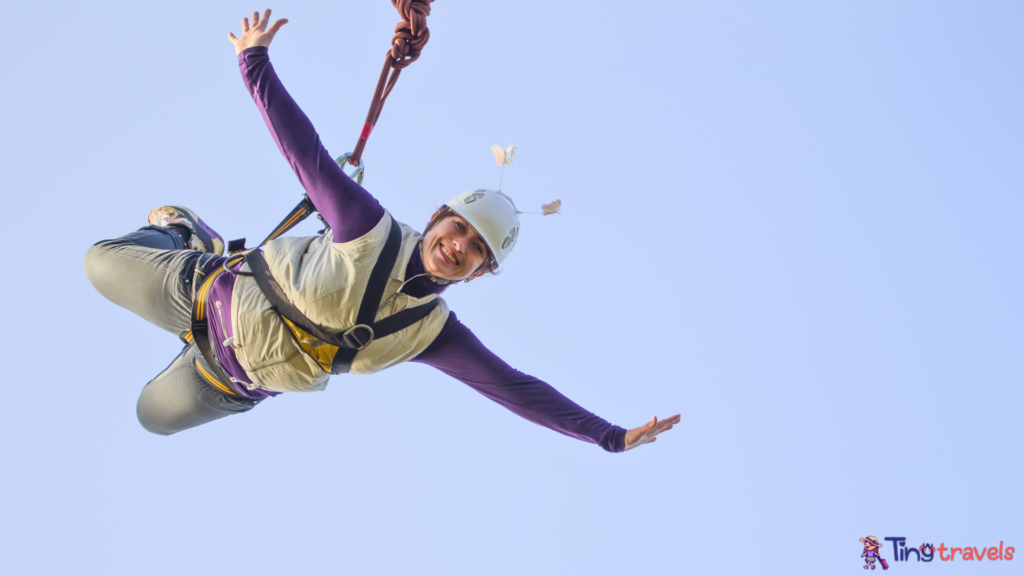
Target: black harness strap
[(279, 301), (298, 214), (379, 276), (301, 211), (402, 320)]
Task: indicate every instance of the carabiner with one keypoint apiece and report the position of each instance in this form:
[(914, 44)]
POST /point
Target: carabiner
[(357, 175)]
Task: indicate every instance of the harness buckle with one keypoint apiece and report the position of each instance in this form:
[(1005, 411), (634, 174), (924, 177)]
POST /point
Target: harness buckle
[(358, 340)]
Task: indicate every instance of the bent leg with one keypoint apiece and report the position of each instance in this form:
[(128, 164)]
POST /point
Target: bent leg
[(180, 398), (148, 273)]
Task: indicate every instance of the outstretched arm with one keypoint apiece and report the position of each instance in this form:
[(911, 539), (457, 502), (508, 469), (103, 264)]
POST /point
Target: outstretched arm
[(347, 207), (459, 353)]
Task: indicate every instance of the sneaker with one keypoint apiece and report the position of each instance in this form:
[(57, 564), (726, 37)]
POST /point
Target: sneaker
[(203, 238)]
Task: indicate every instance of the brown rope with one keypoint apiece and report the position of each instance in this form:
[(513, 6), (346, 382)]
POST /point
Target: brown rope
[(411, 35)]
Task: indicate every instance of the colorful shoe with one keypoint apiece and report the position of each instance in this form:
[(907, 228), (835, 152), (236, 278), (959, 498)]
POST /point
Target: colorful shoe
[(203, 238)]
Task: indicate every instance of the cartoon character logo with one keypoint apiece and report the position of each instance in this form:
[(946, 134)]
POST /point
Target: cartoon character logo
[(870, 554)]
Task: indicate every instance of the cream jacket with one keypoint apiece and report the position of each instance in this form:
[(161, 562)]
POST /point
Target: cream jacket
[(326, 281)]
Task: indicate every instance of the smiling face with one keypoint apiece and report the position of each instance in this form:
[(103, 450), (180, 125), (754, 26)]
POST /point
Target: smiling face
[(453, 250)]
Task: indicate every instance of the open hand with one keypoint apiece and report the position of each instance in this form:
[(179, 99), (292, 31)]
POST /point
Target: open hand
[(259, 34), (648, 432)]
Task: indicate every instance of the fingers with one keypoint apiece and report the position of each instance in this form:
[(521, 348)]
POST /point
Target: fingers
[(277, 26), (648, 432), (261, 23), (662, 428), (667, 423), (232, 37)]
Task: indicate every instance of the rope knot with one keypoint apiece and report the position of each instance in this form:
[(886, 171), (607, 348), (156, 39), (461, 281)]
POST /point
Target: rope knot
[(411, 34)]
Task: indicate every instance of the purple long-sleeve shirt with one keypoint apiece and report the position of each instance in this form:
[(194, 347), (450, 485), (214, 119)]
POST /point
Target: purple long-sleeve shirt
[(352, 212)]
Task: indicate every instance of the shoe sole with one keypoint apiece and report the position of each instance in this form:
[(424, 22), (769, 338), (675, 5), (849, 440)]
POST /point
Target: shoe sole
[(199, 229)]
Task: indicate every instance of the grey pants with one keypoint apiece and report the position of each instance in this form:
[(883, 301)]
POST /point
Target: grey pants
[(149, 273)]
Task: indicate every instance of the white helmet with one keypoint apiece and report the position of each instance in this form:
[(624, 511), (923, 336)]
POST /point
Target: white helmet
[(494, 216)]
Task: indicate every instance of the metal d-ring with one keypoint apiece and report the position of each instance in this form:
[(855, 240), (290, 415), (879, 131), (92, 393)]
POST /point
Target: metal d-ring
[(356, 175), (232, 260), (353, 341)]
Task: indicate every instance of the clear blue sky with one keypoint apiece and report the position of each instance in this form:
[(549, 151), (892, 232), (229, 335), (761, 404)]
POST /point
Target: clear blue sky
[(797, 223)]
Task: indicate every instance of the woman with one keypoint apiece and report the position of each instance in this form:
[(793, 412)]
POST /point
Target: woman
[(359, 298)]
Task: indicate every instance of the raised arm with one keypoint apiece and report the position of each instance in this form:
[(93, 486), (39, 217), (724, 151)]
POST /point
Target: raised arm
[(459, 353), (347, 207)]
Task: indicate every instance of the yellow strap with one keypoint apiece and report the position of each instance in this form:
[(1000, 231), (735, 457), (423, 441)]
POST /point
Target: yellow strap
[(204, 291), (284, 226), (209, 377)]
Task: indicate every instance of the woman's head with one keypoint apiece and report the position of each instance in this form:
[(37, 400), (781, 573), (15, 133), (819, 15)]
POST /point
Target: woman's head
[(453, 249), (471, 235)]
